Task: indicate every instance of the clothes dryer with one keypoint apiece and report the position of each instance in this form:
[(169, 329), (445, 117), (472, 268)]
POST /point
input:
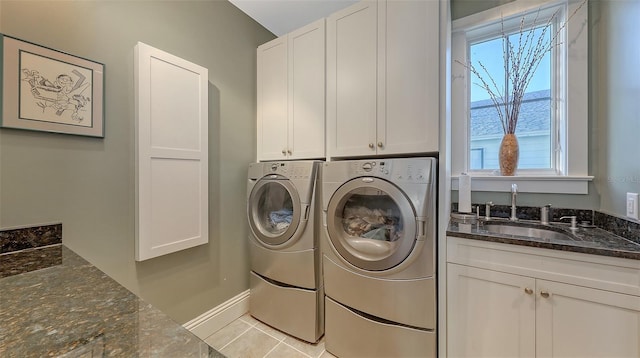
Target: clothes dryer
[(379, 257), (286, 288)]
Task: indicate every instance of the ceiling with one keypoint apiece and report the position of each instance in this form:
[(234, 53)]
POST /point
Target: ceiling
[(284, 16)]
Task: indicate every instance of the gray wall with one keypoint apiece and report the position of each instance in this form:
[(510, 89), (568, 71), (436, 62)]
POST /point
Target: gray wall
[(614, 108), (615, 85), (462, 8), (88, 183)]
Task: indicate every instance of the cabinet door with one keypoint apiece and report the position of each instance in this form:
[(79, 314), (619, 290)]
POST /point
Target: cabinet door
[(489, 313), (306, 91), (351, 80), (575, 321), (408, 78), (272, 99), (172, 155)]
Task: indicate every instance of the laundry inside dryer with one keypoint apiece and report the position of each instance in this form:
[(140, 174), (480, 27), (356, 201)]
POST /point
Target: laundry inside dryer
[(372, 215)]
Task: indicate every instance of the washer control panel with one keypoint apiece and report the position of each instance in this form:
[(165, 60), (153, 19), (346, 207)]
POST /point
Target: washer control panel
[(290, 170), (276, 168)]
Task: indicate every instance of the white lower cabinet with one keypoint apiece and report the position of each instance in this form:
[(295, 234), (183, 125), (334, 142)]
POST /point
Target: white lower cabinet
[(541, 311), (489, 315), (574, 321)]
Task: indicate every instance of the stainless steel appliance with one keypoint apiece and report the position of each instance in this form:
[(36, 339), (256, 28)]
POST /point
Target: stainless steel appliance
[(379, 257), (285, 282)]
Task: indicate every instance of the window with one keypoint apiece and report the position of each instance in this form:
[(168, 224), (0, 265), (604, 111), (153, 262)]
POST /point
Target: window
[(552, 125), (535, 125), (477, 158)]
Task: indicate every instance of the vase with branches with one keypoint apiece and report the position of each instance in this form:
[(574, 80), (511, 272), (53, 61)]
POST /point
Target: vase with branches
[(522, 54)]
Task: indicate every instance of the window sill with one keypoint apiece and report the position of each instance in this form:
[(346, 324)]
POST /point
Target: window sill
[(529, 184)]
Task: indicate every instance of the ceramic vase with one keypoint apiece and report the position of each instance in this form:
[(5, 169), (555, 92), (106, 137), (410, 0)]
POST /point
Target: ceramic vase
[(509, 153)]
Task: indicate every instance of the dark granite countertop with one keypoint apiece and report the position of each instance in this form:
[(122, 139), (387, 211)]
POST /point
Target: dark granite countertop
[(72, 309), (591, 240)]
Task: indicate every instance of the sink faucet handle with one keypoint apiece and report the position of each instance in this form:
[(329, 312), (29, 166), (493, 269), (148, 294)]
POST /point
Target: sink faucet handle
[(487, 210), (514, 193), (544, 214), (574, 220)]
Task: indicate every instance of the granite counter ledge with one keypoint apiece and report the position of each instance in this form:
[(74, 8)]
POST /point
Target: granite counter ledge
[(593, 241), (72, 309)]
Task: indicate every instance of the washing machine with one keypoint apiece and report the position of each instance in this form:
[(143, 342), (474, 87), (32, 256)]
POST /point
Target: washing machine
[(379, 257), (285, 281)]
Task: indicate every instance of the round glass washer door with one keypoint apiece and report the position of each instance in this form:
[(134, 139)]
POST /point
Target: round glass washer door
[(274, 210), (371, 223)]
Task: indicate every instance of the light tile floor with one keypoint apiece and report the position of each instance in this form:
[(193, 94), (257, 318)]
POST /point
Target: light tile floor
[(246, 337)]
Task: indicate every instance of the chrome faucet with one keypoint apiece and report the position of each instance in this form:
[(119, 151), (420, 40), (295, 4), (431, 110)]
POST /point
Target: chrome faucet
[(574, 221), (514, 193)]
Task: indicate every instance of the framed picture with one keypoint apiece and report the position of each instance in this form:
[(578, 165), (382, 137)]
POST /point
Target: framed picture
[(48, 90)]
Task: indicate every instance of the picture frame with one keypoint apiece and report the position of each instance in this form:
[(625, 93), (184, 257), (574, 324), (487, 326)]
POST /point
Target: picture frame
[(48, 90)]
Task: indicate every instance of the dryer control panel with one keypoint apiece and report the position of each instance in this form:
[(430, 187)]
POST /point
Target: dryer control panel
[(396, 170)]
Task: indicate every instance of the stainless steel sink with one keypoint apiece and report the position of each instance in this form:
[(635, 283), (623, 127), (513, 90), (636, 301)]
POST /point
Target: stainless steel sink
[(526, 231)]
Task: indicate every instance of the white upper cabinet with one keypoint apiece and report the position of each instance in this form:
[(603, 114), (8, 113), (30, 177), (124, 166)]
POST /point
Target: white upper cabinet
[(383, 62), (272, 99), (351, 80), (291, 99)]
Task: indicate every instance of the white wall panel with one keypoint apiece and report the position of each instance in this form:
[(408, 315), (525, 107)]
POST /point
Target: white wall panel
[(171, 153)]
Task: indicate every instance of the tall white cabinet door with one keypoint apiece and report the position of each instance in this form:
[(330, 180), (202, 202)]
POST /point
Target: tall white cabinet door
[(408, 78), (171, 153), (489, 313), (575, 321), (351, 80), (307, 91), (272, 99)]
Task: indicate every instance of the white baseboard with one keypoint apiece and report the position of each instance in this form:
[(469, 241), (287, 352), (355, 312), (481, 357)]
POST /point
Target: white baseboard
[(211, 321)]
